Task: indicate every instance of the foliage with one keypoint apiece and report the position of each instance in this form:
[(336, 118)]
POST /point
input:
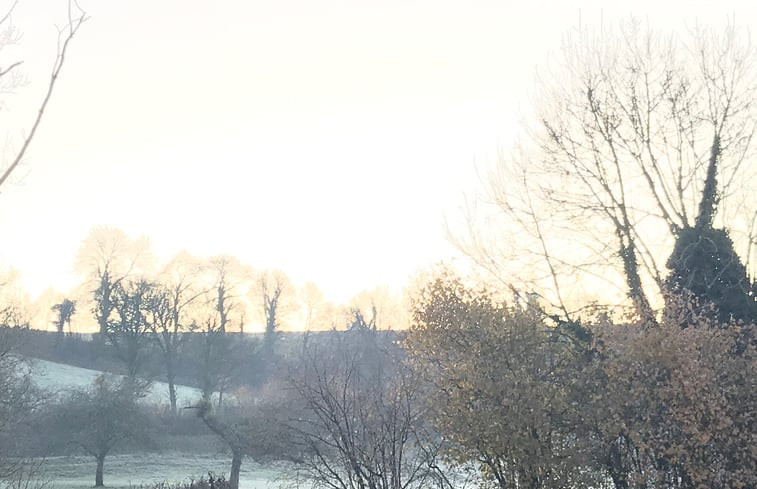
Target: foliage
[(65, 310), (684, 399), (704, 263), (502, 387)]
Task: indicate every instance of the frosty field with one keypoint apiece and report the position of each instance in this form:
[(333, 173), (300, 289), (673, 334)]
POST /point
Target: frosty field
[(57, 377), (133, 470)]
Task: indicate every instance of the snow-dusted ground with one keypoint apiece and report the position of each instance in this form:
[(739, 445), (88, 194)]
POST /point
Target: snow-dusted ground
[(58, 377), (133, 470)]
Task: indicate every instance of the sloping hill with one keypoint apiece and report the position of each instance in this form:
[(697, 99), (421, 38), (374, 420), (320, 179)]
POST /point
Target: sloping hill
[(59, 377)]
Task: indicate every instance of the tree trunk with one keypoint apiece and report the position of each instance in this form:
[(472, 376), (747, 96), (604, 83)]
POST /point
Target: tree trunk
[(636, 293), (236, 464), (99, 471), (170, 377)]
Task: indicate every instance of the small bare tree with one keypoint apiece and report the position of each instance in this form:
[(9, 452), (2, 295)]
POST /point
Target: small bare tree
[(100, 418), (362, 425)]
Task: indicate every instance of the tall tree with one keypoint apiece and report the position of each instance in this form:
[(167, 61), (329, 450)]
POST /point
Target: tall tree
[(616, 163), (278, 301), (704, 262), (129, 328), (170, 321), (107, 257)]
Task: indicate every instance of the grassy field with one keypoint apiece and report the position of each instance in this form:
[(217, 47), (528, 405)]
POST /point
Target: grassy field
[(57, 377), (132, 470)]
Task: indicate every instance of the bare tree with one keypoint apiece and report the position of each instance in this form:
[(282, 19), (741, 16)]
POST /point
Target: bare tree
[(100, 418), (107, 257), (362, 425), (227, 282), (18, 395), (627, 126), (276, 295), (129, 329), (10, 76), (169, 319), (220, 308), (249, 429)]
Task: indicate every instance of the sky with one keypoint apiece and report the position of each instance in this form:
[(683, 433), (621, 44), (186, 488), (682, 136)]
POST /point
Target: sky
[(328, 139)]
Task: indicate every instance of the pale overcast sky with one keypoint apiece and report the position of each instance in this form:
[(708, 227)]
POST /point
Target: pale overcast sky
[(325, 138)]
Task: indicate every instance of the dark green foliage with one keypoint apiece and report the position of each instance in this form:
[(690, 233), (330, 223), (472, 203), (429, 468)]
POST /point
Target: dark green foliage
[(705, 263)]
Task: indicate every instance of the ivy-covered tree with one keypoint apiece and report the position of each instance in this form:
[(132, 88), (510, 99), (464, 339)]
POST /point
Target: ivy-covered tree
[(704, 262)]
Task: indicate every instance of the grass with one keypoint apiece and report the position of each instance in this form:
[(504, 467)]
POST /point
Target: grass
[(145, 469), (58, 377)]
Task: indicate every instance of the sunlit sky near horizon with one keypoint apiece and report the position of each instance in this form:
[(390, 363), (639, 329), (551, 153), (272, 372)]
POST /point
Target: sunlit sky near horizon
[(328, 139)]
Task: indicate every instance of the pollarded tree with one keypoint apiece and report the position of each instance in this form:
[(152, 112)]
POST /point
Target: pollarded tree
[(616, 162), (277, 300), (65, 310), (248, 428)]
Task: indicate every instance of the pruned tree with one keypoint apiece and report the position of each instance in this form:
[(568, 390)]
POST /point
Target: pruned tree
[(227, 282), (277, 299), (11, 76), (65, 311), (100, 418), (616, 163), (248, 429)]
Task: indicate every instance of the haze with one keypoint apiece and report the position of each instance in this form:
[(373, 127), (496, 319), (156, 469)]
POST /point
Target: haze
[(327, 139)]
